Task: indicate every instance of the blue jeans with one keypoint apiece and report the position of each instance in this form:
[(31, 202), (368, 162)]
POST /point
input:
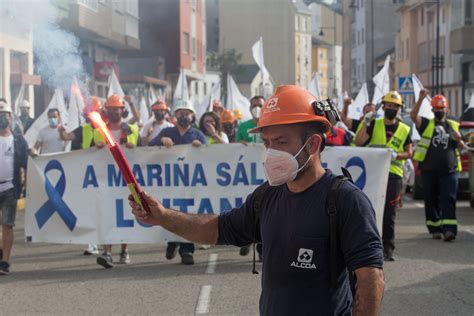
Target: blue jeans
[(440, 190)]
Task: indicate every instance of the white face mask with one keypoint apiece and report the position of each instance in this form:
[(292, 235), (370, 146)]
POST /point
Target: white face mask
[(256, 112), (281, 167)]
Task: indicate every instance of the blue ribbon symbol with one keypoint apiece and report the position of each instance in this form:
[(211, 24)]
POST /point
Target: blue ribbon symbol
[(358, 162), (55, 202)]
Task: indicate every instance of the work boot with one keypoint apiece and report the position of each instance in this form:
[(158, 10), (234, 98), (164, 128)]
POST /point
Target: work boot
[(388, 256), (436, 235), (187, 258), (4, 268), (171, 251), (449, 236)]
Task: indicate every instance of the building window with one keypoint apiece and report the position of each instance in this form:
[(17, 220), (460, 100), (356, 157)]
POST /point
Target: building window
[(422, 16), (362, 36), (297, 23), (193, 5), (91, 4), (468, 12), (193, 48), (186, 43), (305, 25)]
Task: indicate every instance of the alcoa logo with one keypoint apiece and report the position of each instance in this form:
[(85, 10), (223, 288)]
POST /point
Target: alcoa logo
[(304, 260), (272, 106)]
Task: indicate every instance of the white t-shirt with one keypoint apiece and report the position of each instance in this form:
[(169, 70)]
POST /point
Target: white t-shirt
[(50, 141), (157, 128), (116, 133), (7, 153)]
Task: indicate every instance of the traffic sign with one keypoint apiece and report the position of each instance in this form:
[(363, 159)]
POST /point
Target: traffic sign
[(405, 85)]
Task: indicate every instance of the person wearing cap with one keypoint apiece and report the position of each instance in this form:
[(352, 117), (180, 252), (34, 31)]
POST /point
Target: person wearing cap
[(243, 135), (210, 125), (292, 220), (229, 124), (182, 133), (13, 158), (439, 161), (124, 134), (49, 139), (388, 132), (153, 127), (25, 118)]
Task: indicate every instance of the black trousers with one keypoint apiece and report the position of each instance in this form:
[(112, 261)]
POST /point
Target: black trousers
[(184, 247), (440, 190), (392, 197)]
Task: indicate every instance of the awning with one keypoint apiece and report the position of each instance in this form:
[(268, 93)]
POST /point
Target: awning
[(143, 79)]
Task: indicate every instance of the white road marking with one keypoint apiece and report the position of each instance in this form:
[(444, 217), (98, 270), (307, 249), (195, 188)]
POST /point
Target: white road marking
[(204, 299), (211, 265)]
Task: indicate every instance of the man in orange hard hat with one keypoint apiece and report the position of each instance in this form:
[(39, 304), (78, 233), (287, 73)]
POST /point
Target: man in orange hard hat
[(124, 134), (153, 127), (307, 247), (229, 124), (439, 161)]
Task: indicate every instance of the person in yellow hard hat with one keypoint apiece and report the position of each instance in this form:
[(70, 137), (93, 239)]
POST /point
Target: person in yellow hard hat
[(307, 247), (389, 133), (124, 134), (439, 161)]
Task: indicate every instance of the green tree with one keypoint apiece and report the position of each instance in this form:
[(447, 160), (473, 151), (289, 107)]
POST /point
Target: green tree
[(225, 62)]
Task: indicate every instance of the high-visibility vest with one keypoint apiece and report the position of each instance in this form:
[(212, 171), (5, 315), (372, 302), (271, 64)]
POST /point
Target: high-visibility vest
[(379, 139), (425, 142), (87, 135), (131, 132)]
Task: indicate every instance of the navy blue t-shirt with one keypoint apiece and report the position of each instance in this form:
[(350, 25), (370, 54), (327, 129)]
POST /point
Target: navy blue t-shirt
[(294, 230), (173, 133)]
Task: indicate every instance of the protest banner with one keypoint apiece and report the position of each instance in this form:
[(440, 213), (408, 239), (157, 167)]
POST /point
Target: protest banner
[(80, 197)]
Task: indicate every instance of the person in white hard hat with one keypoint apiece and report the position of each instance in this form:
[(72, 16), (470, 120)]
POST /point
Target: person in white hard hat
[(182, 133), (13, 158), (25, 118)]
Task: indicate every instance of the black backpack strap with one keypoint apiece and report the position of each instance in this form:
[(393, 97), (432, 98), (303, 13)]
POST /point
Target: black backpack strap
[(333, 240), (258, 196)]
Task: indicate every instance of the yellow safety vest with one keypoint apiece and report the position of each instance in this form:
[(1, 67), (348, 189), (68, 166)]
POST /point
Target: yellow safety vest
[(425, 142), (132, 138), (379, 139), (87, 135)]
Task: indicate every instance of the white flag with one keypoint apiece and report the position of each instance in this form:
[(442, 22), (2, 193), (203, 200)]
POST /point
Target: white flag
[(471, 103), (144, 113), (76, 107), (57, 102), (425, 109), (116, 88), (206, 104), (19, 100), (314, 87), (181, 91), (151, 96), (235, 99), (362, 98), (257, 52), (382, 82)]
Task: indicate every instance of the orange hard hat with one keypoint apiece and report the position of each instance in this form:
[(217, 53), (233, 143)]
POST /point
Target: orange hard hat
[(159, 105), (227, 116), (238, 114), (439, 101), (289, 105), (94, 105), (114, 101)]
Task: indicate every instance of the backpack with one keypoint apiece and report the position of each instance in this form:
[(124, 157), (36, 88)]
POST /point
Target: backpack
[(331, 208)]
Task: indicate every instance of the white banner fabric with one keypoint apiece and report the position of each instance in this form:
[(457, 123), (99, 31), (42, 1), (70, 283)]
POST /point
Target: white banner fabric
[(79, 197)]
